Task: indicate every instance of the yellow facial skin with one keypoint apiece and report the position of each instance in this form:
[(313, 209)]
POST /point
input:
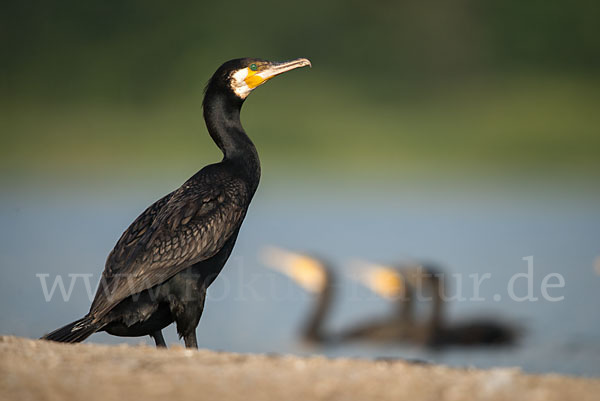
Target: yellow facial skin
[(254, 79)]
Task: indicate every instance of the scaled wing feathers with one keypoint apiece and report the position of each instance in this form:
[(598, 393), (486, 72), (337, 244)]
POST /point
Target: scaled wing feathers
[(185, 227)]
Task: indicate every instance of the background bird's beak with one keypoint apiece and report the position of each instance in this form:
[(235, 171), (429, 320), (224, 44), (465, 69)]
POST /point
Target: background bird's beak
[(304, 270), (278, 259)]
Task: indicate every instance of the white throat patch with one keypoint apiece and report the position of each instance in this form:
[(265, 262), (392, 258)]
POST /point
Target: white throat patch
[(238, 83)]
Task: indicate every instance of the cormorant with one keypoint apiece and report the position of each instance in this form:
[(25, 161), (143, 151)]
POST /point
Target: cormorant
[(400, 286), (316, 276), (160, 268), (434, 332)]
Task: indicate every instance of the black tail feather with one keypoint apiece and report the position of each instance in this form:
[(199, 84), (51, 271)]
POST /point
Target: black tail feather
[(74, 332)]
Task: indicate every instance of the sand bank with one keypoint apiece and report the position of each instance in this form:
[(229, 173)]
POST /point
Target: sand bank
[(40, 370)]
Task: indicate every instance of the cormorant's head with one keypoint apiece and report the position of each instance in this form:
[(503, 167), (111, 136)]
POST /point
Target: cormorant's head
[(382, 280), (398, 282), (241, 76), (308, 272)]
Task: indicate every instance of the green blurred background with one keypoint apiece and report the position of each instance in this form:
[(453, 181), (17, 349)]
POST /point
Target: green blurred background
[(410, 88)]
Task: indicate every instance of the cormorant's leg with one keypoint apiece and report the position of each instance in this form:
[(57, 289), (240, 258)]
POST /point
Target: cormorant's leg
[(159, 339), (190, 340), (186, 308)]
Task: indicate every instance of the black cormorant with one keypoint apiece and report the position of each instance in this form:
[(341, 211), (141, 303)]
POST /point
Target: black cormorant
[(434, 332), (401, 286), (160, 268)]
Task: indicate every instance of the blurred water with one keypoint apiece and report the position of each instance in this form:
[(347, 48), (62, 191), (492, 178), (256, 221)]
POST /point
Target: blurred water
[(252, 309)]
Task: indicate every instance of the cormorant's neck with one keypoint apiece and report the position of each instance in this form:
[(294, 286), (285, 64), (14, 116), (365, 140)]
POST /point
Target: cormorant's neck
[(437, 312), (436, 332), (313, 330), (405, 306), (222, 117)]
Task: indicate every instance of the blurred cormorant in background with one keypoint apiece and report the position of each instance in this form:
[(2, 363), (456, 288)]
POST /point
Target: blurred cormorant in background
[(425, 282), (405, 286)]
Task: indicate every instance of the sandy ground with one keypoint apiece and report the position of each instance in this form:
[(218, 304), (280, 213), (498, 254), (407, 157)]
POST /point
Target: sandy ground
[(40, 370)]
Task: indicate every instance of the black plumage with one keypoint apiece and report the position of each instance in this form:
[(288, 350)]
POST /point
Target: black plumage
[(160, 268)]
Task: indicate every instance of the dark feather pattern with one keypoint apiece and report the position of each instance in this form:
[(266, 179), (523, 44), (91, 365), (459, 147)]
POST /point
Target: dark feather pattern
[(185, 227)]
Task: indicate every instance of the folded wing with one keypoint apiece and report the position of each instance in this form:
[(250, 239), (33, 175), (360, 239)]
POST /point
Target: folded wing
[(185, 227)]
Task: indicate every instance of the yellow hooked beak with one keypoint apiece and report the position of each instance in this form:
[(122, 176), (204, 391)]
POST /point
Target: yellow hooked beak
[(266, 71)]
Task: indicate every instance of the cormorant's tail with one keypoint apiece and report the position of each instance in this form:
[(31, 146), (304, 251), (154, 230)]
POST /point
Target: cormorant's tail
[(74, 332)]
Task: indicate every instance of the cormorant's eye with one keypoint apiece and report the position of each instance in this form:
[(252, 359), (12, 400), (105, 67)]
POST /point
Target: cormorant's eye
[(253, 67)]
